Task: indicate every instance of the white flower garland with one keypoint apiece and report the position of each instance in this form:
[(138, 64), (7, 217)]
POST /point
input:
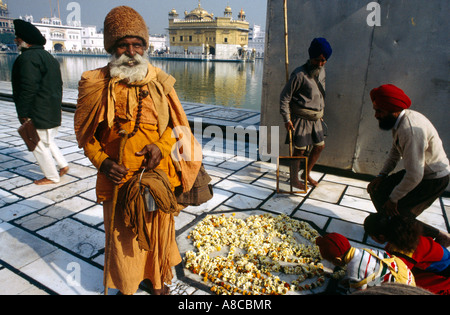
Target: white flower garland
[(266, 241)]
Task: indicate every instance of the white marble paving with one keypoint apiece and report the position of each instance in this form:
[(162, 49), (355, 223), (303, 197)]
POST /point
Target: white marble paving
[(183, 219), (15, 211), (217, 171), (19, 248), (346, 180), (243, 202), (357, 203), (243, 188), (283, 203), (435, 207), (247, 174), (44, 230), (74, 188), (75, 236), (446, 201), (218, 198), (7, 198), (357, 192), (433, 219), (334, 211), (17, 285), (318, 220), (328, 191), (35, 221), (30, 190), (4, 226), (66, 274), (66, 207), (92, 216), (236, 163), (350, 230)]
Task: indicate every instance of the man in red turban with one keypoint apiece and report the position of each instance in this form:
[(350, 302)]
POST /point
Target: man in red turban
[(426, 167)]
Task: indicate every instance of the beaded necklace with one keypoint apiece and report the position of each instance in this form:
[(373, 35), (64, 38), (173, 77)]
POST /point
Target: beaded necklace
[(142, 94)]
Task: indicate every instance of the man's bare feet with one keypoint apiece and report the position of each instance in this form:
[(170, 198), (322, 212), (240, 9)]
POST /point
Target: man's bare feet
[(63, 171), (298, 184), (311, 181), (163, 291), (44, 181)]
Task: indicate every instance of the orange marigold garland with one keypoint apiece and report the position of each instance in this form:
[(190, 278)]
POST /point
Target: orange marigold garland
[(258, 247)]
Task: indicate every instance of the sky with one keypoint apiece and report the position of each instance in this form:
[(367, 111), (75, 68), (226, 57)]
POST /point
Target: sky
[(155, 12)]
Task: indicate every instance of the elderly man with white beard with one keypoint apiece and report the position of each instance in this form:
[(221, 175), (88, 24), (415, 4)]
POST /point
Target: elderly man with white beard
[(132, 95)]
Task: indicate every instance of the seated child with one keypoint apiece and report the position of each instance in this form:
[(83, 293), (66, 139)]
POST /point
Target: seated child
[(364, 267), (428, 260)]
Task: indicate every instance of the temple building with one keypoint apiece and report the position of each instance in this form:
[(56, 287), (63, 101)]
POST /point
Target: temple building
[(202, 33), (6, 23), (59, 37)]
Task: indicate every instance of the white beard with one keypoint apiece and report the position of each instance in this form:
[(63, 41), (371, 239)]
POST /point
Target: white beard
[(129, 69), (315, 72), (23, 45)]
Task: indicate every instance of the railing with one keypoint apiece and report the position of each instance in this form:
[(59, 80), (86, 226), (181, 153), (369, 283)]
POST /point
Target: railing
[(195, 57)]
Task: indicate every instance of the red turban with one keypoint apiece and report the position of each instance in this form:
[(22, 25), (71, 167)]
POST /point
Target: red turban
[(390, 98), (332, 245)]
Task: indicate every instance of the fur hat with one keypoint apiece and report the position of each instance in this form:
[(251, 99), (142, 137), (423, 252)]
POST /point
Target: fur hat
[(123, 21), (28, 33)]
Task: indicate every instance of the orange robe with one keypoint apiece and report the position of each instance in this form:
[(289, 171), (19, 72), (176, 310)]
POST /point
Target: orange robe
[(129, 265)]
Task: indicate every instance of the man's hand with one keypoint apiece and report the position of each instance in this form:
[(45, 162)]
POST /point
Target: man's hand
[(152, 155), (390, 208), (374, 184), (289, 125), (113, 171), (22, 120)]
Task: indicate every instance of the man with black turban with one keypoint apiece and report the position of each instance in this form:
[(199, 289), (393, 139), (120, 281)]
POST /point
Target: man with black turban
[(426, 167), (37, 91), (302, 103)]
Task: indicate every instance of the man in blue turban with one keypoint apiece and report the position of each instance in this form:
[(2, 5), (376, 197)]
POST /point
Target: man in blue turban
[(302, 103), (319, 46)]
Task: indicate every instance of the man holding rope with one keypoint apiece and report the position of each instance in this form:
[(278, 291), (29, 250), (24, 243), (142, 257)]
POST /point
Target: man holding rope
[(131, 97)]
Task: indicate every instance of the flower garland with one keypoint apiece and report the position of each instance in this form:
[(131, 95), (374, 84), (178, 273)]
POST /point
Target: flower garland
[(258, 246)]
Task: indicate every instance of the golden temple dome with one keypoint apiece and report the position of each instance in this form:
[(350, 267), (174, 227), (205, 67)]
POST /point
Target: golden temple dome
[(199, 14), (241, 15), (173, 13), (227, 12)]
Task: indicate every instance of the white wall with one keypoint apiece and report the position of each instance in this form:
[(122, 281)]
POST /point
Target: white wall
[(409, 49)]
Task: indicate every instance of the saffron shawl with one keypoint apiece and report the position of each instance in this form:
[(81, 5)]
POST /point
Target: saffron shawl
[(96, 101)]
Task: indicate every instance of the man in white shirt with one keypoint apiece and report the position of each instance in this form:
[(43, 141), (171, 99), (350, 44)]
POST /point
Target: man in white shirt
[(426, 167)]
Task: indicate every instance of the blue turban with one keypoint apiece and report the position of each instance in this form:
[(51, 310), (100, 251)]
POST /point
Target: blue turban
[(319, 46)]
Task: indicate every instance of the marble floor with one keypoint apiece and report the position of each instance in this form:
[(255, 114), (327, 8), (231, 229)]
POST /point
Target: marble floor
[(52, 237)]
